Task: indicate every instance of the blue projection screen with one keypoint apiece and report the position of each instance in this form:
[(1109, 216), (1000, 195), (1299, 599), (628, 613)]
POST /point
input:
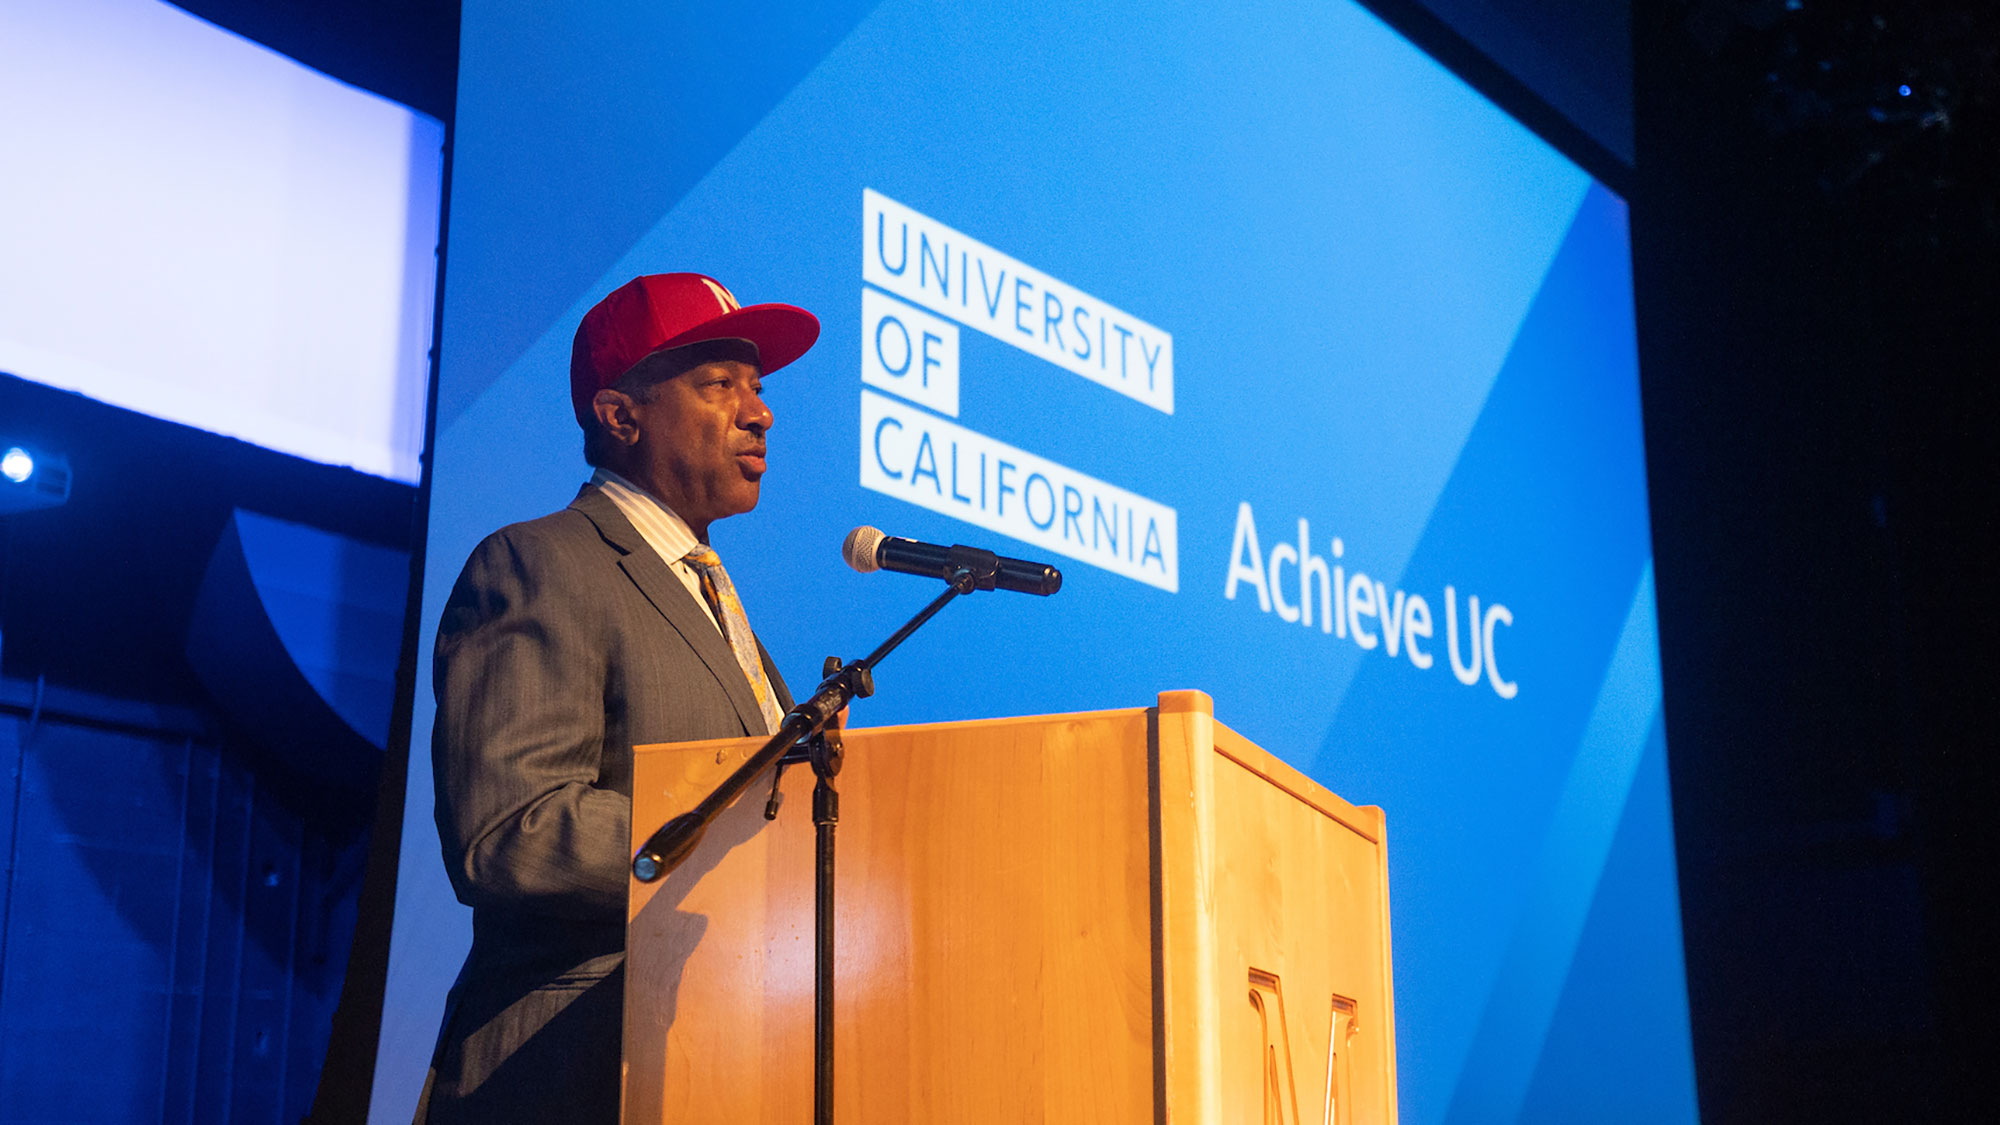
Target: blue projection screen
[(1313, 369)]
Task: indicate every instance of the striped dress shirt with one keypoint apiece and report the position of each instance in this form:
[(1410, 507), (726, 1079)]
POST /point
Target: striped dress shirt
[(663, 530)]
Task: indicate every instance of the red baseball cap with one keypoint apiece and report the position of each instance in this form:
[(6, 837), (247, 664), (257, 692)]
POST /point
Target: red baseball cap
[(669, 310)]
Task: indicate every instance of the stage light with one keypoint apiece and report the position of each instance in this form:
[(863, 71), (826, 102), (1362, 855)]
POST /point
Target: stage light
[(32, 479)]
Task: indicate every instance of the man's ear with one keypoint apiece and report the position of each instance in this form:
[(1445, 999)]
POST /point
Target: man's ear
[(614, 413)]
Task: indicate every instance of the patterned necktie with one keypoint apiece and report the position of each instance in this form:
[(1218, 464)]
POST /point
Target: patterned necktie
[(721, 595)]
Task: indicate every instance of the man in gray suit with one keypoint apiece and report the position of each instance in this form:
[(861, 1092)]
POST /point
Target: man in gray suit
[(566, 641)]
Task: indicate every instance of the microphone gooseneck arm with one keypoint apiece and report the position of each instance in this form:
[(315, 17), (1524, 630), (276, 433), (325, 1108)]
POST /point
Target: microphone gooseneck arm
[(668, 846)]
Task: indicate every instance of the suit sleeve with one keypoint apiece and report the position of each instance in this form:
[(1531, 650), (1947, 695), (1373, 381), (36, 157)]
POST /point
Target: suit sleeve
[(520, 674)]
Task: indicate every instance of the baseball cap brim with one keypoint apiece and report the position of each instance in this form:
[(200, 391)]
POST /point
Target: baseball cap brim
[(781, 333)]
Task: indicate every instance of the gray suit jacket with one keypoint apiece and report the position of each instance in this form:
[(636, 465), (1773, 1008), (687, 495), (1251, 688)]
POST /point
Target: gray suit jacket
[(566, 641)]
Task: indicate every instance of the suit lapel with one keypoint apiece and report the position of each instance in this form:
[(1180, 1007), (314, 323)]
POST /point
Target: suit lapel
[(661, 587)]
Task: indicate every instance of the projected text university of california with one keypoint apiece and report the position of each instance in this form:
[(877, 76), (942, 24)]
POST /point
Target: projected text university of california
[(914, 267)]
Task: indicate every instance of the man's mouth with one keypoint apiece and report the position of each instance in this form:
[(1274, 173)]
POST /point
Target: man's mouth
[(752, 459)]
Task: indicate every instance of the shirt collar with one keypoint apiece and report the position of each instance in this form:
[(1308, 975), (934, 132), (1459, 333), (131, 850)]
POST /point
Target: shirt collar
[(660, 526)]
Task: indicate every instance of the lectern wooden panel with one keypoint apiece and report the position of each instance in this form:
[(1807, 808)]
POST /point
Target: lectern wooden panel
[(1120, 916)]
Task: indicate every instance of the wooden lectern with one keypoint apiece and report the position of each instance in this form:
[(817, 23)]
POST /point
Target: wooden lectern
[(1121, 916)]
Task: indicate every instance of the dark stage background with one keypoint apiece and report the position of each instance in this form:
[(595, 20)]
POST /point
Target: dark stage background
[(1814, 234)]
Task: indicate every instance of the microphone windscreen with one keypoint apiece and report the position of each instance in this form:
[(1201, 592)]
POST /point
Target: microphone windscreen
[(860, 547)]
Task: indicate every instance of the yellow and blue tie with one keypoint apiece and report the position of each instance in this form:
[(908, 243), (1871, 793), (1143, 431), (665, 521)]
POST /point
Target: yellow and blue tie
[(721, 595)]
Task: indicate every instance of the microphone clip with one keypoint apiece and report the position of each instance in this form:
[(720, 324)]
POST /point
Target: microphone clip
[(970, 568)]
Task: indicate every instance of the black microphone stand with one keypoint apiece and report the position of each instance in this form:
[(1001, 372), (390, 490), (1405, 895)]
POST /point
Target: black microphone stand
[(810, 733)]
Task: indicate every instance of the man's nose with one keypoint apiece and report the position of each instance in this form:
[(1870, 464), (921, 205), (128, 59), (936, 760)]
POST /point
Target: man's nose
[(756, 416)]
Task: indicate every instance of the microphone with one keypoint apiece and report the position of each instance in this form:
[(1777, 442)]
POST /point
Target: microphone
[(868, 550)]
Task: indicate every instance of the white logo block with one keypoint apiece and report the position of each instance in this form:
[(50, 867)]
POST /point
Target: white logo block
[(908, 352), (927, 263)]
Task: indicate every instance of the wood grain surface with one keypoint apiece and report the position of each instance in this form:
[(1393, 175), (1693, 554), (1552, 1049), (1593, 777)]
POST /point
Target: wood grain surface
[(1043, 919)]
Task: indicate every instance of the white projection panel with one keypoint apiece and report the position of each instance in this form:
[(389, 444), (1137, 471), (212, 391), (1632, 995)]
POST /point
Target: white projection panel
[(196, 227)]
